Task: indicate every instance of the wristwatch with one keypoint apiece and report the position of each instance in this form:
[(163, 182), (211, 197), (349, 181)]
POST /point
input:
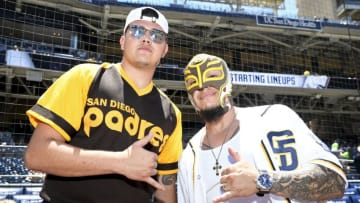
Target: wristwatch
[(264, 182)]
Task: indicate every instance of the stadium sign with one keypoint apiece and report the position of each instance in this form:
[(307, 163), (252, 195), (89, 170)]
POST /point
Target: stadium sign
[(288, 23), (279, 80)]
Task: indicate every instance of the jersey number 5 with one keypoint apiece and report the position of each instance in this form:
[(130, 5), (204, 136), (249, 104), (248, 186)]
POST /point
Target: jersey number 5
[(283, 146)]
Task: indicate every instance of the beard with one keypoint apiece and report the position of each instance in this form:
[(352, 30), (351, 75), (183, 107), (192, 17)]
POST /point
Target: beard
[(214, 113)]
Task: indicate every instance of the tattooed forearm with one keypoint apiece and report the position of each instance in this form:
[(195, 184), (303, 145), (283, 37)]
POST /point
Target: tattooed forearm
[(312, 183), (169, 194), (168, 179)]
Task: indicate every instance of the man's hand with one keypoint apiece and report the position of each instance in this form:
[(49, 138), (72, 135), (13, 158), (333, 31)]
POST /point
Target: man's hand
[(140, 163), (237, 180)]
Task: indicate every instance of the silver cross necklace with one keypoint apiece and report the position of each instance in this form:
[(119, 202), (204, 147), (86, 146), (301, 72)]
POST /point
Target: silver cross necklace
[(217, 167)]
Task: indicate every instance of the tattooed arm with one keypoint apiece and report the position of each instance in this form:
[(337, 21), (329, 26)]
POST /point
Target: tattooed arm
[(169, 194), (312, 183)]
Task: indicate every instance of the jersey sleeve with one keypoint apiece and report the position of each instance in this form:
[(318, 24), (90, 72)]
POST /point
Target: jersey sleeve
[(171, 152), (308, 148), (62, 105)]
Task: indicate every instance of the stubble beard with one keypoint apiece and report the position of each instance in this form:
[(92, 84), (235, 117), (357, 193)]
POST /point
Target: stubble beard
[(214, 113)]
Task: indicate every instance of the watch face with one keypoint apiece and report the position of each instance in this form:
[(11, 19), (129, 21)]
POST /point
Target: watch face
[(264, 181)]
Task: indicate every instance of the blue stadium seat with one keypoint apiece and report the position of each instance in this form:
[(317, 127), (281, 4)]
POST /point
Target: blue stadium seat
[(354, 184), (2, 197), (344, 199), (11, 190), (12, 165), (355, 198), (27, 199), (32, 190), (351, 191)]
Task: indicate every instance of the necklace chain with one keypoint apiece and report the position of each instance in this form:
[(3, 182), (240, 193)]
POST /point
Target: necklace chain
[(217, 166)]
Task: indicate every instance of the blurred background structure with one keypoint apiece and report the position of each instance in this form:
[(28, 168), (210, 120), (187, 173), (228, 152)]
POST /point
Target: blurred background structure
[(302, 53)]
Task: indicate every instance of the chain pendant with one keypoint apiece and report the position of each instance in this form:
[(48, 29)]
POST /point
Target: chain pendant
[(217, 168)]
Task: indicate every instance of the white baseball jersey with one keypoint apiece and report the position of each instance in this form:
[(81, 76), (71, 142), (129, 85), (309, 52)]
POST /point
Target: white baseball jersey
[(271, 137)]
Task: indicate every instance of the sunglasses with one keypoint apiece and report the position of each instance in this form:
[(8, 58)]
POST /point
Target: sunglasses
[(138, 31)]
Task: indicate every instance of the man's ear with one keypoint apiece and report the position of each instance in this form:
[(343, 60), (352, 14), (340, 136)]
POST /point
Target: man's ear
[(228, 101), (122, 42)]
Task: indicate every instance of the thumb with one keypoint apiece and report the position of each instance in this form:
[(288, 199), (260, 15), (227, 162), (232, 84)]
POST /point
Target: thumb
[(224, 197), (154, 183), (234, 154), (144, 141)]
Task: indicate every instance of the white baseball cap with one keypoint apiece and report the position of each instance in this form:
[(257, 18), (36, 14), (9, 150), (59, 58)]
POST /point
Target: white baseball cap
[(148, 14)]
